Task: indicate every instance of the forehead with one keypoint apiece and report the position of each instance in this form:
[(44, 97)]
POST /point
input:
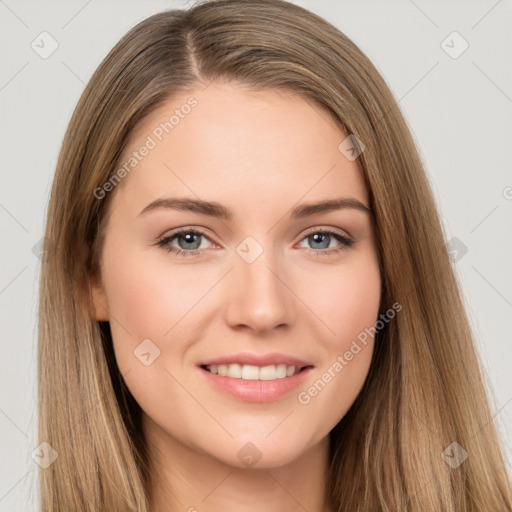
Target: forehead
[(240, 146)]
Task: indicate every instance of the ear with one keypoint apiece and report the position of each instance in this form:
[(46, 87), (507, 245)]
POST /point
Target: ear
[(100, 310)]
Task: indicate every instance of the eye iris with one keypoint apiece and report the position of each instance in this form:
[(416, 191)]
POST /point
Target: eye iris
[(320, 238), (190, 238)]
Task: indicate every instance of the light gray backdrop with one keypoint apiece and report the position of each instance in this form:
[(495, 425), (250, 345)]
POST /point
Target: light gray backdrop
[(449, 64)]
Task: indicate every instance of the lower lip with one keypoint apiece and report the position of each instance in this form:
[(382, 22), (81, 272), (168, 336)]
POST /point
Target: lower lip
[(256, 390)]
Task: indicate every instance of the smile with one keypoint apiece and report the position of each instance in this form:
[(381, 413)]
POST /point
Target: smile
[(249, 383)]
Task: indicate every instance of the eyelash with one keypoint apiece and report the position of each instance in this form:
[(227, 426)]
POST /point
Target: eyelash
[(164, 242)]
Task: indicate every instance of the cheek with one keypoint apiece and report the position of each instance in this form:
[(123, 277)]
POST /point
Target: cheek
[(358, 302), (346, 300), (152, 320), (150, 299), (350, 307), (357, 305), (147, 301)]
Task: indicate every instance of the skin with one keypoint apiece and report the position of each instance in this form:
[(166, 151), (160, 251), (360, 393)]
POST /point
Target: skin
[(259, 153)]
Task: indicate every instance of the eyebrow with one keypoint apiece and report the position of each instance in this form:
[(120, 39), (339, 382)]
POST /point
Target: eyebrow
[(215, 209)]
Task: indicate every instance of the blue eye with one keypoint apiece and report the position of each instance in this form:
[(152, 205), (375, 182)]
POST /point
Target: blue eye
[(189, 242), (321, 239), (190, 245)]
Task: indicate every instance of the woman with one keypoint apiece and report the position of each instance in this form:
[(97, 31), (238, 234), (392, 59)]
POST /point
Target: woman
[(256, 368)]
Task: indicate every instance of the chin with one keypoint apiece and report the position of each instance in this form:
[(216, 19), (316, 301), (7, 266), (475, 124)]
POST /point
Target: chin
[(262, 454)]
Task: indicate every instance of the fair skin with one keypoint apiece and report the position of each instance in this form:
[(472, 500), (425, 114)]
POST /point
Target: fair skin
[(260, 154)]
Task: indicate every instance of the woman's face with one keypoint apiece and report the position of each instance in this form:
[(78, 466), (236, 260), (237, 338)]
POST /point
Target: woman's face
[(257, 281)]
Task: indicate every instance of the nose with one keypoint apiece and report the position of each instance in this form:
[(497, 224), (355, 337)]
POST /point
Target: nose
[(259, 297)]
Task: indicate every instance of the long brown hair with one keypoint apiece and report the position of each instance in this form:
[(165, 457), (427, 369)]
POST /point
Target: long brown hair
[(424, 390)]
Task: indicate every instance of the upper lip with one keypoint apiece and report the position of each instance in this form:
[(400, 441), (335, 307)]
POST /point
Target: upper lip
[(257, 360)]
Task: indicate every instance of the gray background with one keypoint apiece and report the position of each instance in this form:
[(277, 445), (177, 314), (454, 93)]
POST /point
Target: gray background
[(459, 110)]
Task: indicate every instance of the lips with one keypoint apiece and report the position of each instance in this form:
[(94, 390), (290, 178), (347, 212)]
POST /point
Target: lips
[(255, 378), (247, 358)]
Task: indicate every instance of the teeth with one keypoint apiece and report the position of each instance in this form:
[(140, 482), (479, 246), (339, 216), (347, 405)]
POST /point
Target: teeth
[(250, 372), (235, 371), (281, 371)]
